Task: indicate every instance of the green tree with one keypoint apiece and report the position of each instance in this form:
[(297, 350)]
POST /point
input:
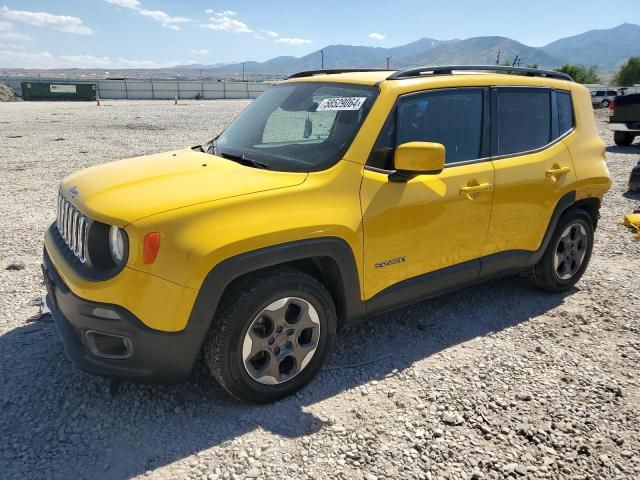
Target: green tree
[(580, 73), (629, 74)]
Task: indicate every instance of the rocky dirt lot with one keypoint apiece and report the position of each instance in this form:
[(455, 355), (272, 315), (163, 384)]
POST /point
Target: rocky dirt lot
[(495, 381)]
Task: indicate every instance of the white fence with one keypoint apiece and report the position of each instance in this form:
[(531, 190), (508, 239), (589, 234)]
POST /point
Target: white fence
[(155, 89)]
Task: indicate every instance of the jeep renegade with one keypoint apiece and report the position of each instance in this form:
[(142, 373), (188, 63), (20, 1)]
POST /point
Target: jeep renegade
[(334, 196)]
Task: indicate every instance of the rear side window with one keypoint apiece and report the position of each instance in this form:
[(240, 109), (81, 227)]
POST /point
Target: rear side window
[(565, 112), (523, 117)]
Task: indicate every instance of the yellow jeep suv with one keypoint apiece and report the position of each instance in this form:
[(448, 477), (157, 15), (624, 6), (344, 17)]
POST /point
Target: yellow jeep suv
[(333, 196)]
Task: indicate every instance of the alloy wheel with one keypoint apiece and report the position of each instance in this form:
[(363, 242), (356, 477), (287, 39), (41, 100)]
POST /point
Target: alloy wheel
[(281, 341), (570, 251)]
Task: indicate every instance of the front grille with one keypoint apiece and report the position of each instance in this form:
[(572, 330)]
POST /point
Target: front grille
[(73, 227)]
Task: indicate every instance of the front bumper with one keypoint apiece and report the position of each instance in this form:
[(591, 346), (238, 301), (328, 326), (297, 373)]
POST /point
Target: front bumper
[(152, 356), (624, 127)]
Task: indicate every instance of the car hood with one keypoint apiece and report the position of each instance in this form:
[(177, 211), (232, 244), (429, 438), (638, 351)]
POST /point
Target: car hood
[(122, 192)]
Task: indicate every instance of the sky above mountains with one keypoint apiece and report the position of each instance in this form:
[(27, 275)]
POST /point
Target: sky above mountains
[(159, 33)]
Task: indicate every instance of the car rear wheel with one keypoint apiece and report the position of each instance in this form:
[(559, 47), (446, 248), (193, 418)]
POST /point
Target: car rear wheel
[(271, 335), (623, 139), (567, 254), (605, 103)]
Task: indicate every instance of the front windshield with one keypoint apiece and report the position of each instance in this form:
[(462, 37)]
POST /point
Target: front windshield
[(298, 127)]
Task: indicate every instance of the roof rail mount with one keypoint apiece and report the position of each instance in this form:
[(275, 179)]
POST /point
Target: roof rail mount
[(450, 69), (313, 73)]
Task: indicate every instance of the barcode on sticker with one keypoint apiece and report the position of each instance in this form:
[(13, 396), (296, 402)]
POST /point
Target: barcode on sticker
[(341, 103)]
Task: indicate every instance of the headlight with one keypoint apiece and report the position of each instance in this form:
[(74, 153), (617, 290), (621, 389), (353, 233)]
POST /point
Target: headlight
[(116, 244)]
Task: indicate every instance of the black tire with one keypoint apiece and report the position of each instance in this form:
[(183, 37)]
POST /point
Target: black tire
[(241, 305), (605, 103), (623, 139), (544, 274)]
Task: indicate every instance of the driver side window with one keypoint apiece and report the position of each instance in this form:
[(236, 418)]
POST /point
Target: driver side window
[(453, 118)]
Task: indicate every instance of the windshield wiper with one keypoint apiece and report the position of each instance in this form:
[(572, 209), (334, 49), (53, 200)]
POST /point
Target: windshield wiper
[(244, 160)]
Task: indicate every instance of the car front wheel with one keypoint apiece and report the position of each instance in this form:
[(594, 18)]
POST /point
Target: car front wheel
[(271, 335), (567, 254)]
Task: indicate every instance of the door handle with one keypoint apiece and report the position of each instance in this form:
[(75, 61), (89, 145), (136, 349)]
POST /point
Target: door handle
[(483, 187), (557, 171)]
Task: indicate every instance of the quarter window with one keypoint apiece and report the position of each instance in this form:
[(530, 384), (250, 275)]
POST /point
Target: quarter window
[(565, 112), (523, 119)]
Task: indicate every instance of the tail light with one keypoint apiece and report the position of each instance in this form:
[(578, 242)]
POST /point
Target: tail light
[(612, 105)]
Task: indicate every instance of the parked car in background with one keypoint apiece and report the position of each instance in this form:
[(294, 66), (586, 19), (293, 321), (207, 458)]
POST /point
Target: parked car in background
[(602, 98), (625, 121)]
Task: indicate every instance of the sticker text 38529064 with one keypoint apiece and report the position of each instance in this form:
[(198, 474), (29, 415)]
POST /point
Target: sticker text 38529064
[(341, 103)]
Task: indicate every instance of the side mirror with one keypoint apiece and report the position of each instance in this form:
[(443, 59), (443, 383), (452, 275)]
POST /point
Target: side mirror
[(417, 158)]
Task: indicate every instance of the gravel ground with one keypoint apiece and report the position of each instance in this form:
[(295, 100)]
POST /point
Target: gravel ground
[(495, 381)]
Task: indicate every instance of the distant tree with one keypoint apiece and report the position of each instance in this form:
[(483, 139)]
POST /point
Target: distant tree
[(629, 74), (535, 65), (580, 73)]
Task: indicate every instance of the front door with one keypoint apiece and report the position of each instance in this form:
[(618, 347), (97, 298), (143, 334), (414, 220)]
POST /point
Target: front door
[(431, 222)]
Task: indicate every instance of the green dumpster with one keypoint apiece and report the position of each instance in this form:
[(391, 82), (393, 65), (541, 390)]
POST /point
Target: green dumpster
[(58, 91)]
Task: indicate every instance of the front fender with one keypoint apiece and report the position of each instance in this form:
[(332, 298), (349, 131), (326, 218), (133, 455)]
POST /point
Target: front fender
[(336, 249)]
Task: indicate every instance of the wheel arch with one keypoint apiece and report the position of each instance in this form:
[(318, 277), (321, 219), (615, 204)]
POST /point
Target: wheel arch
[(328, 259), (567, 202), (592, 206)]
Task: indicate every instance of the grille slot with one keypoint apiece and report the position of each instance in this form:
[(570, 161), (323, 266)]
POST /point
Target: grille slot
[(73, 227)]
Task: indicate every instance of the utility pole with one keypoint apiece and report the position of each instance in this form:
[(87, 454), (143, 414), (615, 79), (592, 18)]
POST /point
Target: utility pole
[(322, 55), (243, 70), (388, 58), (499, 52), (515, 60)]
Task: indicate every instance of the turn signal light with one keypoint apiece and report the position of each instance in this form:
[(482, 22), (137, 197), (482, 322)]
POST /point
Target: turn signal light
[(151, 247)]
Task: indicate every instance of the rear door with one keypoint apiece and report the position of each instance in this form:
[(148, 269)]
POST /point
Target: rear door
[(533, 168)]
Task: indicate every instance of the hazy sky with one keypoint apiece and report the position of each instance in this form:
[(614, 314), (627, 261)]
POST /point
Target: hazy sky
[(154, 33)]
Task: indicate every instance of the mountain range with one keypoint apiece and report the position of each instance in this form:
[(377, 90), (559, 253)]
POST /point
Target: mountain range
[(607, 49)]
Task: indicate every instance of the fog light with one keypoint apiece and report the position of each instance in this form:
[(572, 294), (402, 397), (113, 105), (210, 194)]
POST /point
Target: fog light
[(105, 313), (107, 345)]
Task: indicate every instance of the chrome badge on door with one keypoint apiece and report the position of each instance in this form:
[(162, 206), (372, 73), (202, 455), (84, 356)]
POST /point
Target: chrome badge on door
[(393, 261)]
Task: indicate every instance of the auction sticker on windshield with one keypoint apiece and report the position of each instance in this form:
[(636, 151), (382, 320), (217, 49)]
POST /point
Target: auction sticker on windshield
[(341, 103)]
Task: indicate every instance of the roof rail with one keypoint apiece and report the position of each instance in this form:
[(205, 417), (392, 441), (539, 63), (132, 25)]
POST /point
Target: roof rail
[(311, 73), (449, 69)]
